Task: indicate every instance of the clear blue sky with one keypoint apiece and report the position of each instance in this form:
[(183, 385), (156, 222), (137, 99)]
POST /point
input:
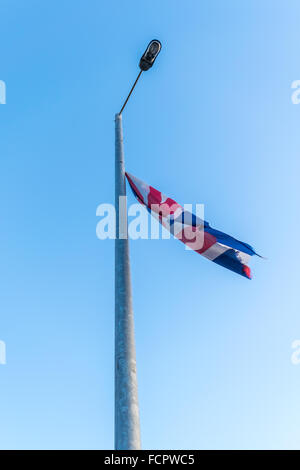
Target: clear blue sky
[(212, 123)]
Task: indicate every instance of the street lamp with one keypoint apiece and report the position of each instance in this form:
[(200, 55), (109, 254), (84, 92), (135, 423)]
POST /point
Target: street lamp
[(127, 421), (150, 54), (146, 62)]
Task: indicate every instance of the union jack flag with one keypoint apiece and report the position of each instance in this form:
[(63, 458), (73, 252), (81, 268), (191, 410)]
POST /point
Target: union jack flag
[(196, 233)]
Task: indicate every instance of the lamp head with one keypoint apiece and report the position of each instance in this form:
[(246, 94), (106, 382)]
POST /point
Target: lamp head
[(150, 54)]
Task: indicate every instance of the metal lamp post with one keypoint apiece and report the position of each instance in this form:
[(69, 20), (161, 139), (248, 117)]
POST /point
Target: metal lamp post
[(127, 422)]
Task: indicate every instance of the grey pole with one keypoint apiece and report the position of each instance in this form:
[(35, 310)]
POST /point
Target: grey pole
[(127, 422)]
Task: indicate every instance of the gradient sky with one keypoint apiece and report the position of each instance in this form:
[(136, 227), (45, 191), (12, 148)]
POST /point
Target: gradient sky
[(212, 123)]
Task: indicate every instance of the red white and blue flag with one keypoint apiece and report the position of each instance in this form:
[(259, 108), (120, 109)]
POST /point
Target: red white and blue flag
[(196, 233)]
